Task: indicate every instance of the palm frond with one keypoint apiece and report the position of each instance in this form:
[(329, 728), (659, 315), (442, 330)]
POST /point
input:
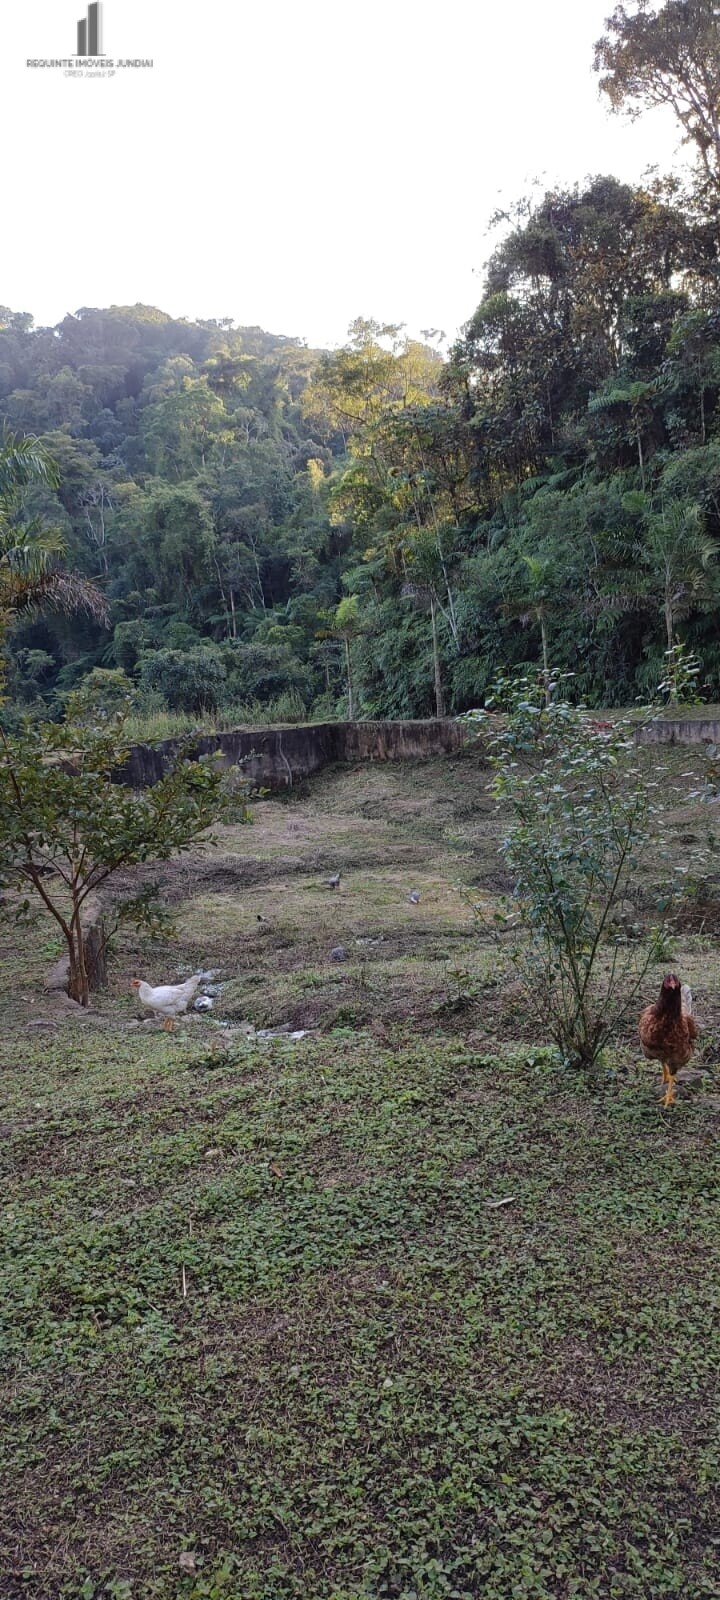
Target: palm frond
[(22, 593), (24, 461), (28, 545)]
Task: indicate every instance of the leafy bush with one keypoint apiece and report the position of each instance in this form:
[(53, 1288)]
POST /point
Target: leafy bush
[(188, 680), (263, 671), (581, 814), (100, 696), (682, 671)]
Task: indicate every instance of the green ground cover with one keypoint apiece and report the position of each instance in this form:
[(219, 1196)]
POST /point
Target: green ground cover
[(391, 1311)]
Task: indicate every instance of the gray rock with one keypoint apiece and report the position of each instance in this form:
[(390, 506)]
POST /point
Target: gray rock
[(339, 953), (203, 1003), (59, 976), (281, 1033)]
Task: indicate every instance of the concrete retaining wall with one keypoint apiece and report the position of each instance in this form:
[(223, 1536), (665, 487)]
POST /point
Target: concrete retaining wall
[(275, 758), (680, 730)]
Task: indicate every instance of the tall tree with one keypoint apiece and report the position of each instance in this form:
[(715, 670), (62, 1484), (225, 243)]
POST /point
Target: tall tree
[(667, 56), (677, 554), (425, 583), (347, 626)]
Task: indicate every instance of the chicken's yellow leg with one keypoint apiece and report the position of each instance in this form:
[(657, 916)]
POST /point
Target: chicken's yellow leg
[(168, 1024), (669, 1081)]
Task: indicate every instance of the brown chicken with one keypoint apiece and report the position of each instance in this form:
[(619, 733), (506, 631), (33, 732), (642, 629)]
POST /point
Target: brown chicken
[(668, 1032)]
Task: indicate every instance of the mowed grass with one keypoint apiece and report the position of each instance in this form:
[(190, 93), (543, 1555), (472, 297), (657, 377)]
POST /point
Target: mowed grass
[(392, 1311)]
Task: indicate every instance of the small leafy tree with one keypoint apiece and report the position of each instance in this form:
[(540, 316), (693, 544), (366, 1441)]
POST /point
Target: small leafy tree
[(579, 815), (347, 625), (66, 827)]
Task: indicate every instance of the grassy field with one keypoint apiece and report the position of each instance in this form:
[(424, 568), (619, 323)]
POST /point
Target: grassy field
[(390, 1311)]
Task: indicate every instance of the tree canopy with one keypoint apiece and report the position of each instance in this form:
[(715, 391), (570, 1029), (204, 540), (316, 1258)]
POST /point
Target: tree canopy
[(377, 530), (668, 56)]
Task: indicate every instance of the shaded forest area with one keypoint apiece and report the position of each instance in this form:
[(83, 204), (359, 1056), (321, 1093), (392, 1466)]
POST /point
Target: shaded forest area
[(381, 529)]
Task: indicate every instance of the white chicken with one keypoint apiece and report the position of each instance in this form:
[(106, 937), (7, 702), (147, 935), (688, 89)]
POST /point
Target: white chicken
[(170, 999)]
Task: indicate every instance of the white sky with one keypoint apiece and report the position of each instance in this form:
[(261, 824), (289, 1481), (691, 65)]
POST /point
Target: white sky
[(294, 163)]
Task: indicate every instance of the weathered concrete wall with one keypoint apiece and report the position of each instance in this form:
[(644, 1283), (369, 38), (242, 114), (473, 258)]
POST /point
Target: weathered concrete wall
[(275, 758), (680, 730)]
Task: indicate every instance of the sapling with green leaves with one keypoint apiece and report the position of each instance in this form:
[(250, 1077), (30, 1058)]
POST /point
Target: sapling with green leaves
[(580, 816), (682, 671), (66, 826)]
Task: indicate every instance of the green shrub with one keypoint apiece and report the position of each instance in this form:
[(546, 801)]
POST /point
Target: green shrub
[(580, 814)]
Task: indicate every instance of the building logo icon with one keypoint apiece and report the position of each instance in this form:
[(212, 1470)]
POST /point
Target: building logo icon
[(89, 31)]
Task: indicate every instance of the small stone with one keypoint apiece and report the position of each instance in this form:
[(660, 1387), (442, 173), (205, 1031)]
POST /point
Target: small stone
[(187, 1562), (339, 953), (210, 1154)]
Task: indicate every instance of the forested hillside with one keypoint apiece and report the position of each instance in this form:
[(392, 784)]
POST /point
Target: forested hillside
[(380, 529)]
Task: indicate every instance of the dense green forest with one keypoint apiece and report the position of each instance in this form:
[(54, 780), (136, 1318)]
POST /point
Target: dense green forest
[(378, 530)]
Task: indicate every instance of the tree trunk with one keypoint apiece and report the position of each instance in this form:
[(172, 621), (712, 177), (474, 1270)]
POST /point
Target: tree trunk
[(87, 953), (669, 624), (95, 953), (439, 701), (670, 632), (222, 593), (78, 982), (348, 669), (641, 458), (545, 659)]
